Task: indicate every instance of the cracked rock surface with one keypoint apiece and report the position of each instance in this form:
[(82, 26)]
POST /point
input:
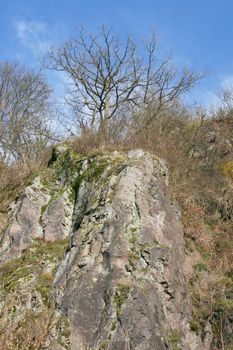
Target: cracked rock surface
[(120, 284)]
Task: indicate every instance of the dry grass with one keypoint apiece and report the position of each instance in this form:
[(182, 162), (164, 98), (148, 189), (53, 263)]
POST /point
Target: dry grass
[(30, 333), (199, 156), (200, 181), (13, 179)]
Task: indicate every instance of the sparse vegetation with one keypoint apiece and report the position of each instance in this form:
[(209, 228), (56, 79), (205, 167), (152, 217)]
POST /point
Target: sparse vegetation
[(197, 145), (195, 327), (200, 267), (121, 295), (28, 275), (175, 339)]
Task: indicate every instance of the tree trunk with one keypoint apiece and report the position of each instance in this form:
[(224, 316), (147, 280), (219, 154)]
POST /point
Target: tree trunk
[(104, 130), (104, 122)]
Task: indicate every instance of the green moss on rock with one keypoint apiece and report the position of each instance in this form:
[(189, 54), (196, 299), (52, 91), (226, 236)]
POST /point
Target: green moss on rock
[(120, 298), (31, 264), (200, 267), (175, 339)]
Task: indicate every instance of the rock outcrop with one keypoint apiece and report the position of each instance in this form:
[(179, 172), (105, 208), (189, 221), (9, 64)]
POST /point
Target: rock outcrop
[(39, 213), (120, 282)]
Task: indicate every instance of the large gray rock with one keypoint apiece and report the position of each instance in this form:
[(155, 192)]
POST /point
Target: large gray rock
[(121, 283), (57, 218), (37, 214), (25, 222)]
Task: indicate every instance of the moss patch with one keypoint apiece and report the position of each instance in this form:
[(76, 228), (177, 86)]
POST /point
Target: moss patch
[(175, 340), (120, 298), (195, 327), (103, 345), (31, 265), (200, 267), (30, 276)]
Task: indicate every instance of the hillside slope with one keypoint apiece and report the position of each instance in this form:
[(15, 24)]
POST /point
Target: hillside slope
[(93, 258)]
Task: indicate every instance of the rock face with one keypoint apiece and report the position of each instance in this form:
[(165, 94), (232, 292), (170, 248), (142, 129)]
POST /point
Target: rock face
[(36, 215), (120, 284)]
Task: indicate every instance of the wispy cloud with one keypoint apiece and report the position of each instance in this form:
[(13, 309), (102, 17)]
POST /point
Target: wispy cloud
[(34, 35), (210, 99), (209, 96), (35, 39), (227, 82)]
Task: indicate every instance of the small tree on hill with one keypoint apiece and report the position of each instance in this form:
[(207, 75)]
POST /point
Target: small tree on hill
[(24, 109), (107, 75)]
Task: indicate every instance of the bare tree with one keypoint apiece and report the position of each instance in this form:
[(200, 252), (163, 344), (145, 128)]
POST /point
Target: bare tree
[(226, 98), (24, 109), (106, 75)]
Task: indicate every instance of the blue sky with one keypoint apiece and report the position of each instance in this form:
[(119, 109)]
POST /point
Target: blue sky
[(199, 32)]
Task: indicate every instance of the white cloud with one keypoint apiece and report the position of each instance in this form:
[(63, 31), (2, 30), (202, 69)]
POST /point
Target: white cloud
[(211, 100), (227, 83), (202, 96), (209, 97), (33, 35)]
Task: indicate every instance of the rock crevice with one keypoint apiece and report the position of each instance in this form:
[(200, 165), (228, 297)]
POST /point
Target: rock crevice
[(120, 284)]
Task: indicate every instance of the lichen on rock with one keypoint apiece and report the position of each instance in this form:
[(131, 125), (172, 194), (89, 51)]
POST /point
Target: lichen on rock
[(117, 282)]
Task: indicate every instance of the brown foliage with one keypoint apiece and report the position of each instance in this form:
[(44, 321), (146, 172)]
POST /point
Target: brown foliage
[(30, 333), (199, 156)]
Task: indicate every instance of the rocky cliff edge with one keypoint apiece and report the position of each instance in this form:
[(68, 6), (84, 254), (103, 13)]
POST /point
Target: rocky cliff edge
[(92, 258)]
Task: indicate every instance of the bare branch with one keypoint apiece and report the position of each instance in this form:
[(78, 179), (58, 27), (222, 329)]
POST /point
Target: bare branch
[(108, 75), (24, 107)]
